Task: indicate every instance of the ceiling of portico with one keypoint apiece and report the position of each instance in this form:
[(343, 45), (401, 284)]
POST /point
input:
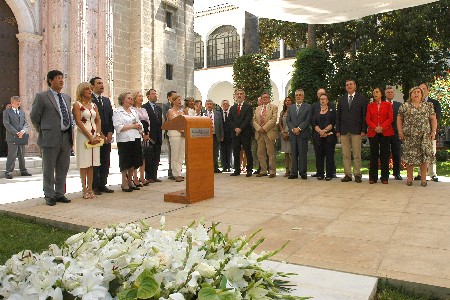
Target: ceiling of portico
[(313, 11)]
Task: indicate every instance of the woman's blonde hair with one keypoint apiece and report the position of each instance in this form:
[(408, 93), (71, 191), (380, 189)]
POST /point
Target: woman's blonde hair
[(122, 97), (80, 89), (174, 97), (416, 88), (134, 97)]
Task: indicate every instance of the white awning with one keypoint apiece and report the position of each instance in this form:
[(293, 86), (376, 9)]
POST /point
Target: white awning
[(322, 11)]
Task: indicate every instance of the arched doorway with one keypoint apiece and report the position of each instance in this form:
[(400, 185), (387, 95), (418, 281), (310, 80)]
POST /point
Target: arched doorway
[(221, 91), (9, 64)]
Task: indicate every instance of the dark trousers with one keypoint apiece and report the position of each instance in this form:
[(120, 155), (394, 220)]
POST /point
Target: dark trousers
[(101, 172), (299, 150), (396, 146), (15, 151), (152, 162), (379, 149), (245, 143), (225, 153), (216, 147), (325, 151)]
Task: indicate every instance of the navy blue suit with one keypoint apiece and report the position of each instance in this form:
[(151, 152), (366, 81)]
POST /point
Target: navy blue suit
[(152, 161), (243, 120)]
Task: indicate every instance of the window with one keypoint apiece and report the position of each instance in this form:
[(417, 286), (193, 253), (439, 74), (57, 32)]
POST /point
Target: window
[(223, 46), (169, 19), (169, 71), (199, 48)]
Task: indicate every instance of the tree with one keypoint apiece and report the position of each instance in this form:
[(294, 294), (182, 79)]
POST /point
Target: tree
[(440, 90), (251, 73)]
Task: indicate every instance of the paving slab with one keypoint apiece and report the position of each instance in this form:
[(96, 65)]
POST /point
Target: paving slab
[(392, 231)]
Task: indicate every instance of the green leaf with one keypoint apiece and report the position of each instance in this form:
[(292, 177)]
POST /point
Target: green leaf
[(209, 293), (147, 285), (130, 294)]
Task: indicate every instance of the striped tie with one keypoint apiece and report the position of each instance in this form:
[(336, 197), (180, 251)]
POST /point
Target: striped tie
[(64, 113), (263, 116)]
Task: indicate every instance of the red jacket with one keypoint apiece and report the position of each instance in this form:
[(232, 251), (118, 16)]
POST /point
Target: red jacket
[(382, 118)]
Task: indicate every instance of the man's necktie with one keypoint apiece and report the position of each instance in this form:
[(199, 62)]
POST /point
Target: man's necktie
[(298, 108), (225, 117), (211, 118), (263, 116), (64, 113), (239, 109), (350, 100), (100, 102)]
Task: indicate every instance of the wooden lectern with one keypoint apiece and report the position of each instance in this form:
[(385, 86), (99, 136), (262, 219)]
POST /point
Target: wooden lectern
[(198, 136)]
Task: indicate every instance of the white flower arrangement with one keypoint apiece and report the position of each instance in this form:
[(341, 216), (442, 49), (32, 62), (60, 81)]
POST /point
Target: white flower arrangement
[(135, 261)]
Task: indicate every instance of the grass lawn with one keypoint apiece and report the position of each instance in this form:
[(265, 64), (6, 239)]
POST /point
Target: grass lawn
[(18, 234)]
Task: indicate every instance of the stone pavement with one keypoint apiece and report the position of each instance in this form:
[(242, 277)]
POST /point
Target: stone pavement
[(392, 231)]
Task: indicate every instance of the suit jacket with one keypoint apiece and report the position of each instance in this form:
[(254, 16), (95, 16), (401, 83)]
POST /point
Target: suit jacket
[(218, 124), (437, 110), (395, 107), (383, 117), (300, 120), (106, 112), (14, 123), (270, 125), (351, 119), (242, 121), (227, 131), (46, 119), (155, 118)]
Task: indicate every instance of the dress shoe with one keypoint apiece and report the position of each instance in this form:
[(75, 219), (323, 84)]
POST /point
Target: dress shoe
[(335, 176), (217, 171), (314, 175), (127, 190), (272, 175), (304, 177), (358, 179), (97, 191), (151, 181), (261, 174), (134, 188), (347, 178), (434, 178), (257, 172), (8, 176), (171, 177), (235, 174), (328, 178), (227, 170), (106, 190), (372, 181), (157, 180), (249, 174), (178, 179), (25, 174), (319, 177), (418, 177), (384, 181), (398, 177), (292, 176), (63, 199), (50, 201)]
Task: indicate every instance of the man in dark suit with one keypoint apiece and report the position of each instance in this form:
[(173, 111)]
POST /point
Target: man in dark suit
[(155, 116), (225, 144), (396, 143), (16, 126), (51, 117), (438, 110), (351, 127), (241, 115), (298, 120), (217, 125), (105, 110)]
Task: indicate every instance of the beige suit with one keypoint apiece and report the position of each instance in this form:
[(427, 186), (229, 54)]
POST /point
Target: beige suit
[(266, 140)]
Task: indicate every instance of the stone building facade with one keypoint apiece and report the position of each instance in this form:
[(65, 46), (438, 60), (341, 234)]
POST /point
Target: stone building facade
[(133, 45)]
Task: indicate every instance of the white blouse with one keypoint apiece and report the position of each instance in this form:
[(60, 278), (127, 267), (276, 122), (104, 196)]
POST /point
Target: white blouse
[(121, 118)]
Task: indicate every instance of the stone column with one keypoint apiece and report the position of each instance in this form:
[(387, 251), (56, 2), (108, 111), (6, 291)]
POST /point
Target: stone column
[(205, 52), (29, 73), (281, 49)]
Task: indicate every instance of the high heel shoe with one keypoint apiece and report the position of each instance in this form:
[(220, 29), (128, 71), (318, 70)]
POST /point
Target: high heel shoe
[(126, 189), (133, 187), (424, 184), (91, 195), (145, 182)]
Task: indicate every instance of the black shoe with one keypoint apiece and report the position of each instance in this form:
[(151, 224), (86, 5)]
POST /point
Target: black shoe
[(418, 177), (97, 191), (398, 177), (235, 174), (128, 190), (50, 201), (171, 178), (347, 178), (292, 176), (434, 178), (63, 199), (134, 188), (25, 174), (358, 179), (319, 177), (328, 178), (8, 176), (304, 177), (314, 175), (249, 174), (217, 171), (106, 190), (335, 176)]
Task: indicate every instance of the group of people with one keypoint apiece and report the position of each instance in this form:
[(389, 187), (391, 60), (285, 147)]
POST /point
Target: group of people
[(391, 127)]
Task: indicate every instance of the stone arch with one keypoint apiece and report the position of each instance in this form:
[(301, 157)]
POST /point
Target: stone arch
[(25, 18), (197, 94), (275, 93), (220, 91)]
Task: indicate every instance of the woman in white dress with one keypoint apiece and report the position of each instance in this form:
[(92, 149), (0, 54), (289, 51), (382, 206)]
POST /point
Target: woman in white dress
[(87, 120), (176, 139)]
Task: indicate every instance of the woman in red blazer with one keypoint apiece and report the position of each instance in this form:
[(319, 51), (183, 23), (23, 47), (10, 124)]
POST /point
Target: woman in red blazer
[(379, 130)]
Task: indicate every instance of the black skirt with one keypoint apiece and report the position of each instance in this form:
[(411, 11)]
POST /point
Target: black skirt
[(130, 154)]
